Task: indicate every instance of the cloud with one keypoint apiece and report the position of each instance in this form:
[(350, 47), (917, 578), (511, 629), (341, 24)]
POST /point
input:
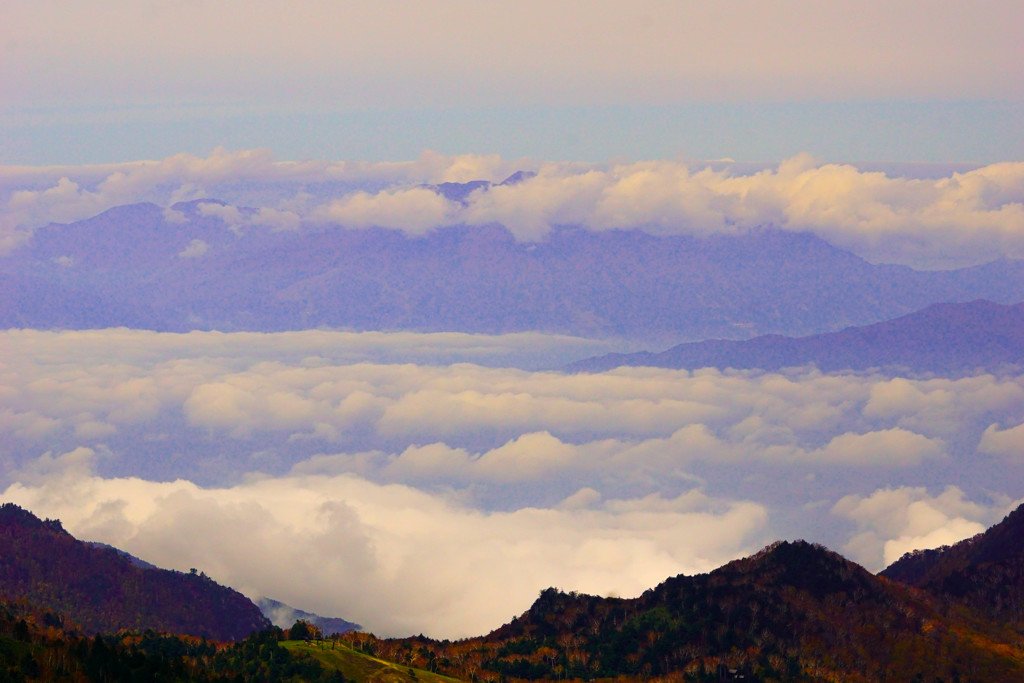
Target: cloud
[(195, 249), (894, 521), (359, 457), (321, 392), (965, 218), (236, 219), (1003, 442), (34, 196), (395, 559), (960, 219), (413, 210), (891, 447)]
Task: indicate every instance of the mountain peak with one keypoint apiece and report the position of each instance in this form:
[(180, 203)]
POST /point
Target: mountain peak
[(15, 518)]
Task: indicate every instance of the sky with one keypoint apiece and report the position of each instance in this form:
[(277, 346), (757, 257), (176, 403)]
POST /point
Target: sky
[(436, 483), (83, 81)]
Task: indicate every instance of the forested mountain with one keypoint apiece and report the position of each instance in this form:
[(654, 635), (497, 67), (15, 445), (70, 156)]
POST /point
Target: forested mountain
[(942, 338), (36, 645), (793, 612), (103, 591), (985, 572), (142, 266)]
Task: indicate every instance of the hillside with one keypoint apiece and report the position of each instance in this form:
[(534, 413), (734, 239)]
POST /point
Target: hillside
[(985, 572), (103, 591), (794, 611), (359, 666), (39, 645), (132, 266), (942, 338)]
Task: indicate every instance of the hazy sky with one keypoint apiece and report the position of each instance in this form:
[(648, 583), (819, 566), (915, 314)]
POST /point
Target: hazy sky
[(84, 81)]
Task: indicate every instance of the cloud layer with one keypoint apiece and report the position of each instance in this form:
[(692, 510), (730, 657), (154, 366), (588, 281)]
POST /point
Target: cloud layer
[(960, 219), (894, 521), (440, 495), (393, 558)]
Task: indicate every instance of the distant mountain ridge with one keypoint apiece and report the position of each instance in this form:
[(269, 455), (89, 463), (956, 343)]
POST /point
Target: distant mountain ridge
[(147, 267), (102, 590), (284, 616), (942, 338)]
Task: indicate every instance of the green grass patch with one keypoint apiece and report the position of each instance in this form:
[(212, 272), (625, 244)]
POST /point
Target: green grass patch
[(363, 668)]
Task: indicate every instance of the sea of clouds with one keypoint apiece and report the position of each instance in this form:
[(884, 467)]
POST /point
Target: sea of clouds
[(435, 483)]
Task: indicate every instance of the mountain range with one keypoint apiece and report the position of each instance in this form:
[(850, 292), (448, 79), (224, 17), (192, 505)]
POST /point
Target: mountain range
[(186, 267), (794, 611), (942, 338)]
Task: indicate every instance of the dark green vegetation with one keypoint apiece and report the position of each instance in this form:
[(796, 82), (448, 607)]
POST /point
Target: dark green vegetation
[(38, 646), (103, 591)]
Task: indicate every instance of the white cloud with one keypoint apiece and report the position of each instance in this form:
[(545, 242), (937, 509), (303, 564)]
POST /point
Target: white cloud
[(966, 218), (397, 560), (889, 447), (580, 481), (332, 392), (961, 219), (1003, 442), (195, 249), (236, 220), (414, 210), (894, 521)]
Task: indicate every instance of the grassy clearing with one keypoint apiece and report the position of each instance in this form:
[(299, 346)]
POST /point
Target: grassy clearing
[(363, 668)]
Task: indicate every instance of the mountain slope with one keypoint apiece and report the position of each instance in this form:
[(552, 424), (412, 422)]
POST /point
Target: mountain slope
[(794, 611), (985, 572), (284, 616), (144, 267), (941, 338), (104, 591)]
